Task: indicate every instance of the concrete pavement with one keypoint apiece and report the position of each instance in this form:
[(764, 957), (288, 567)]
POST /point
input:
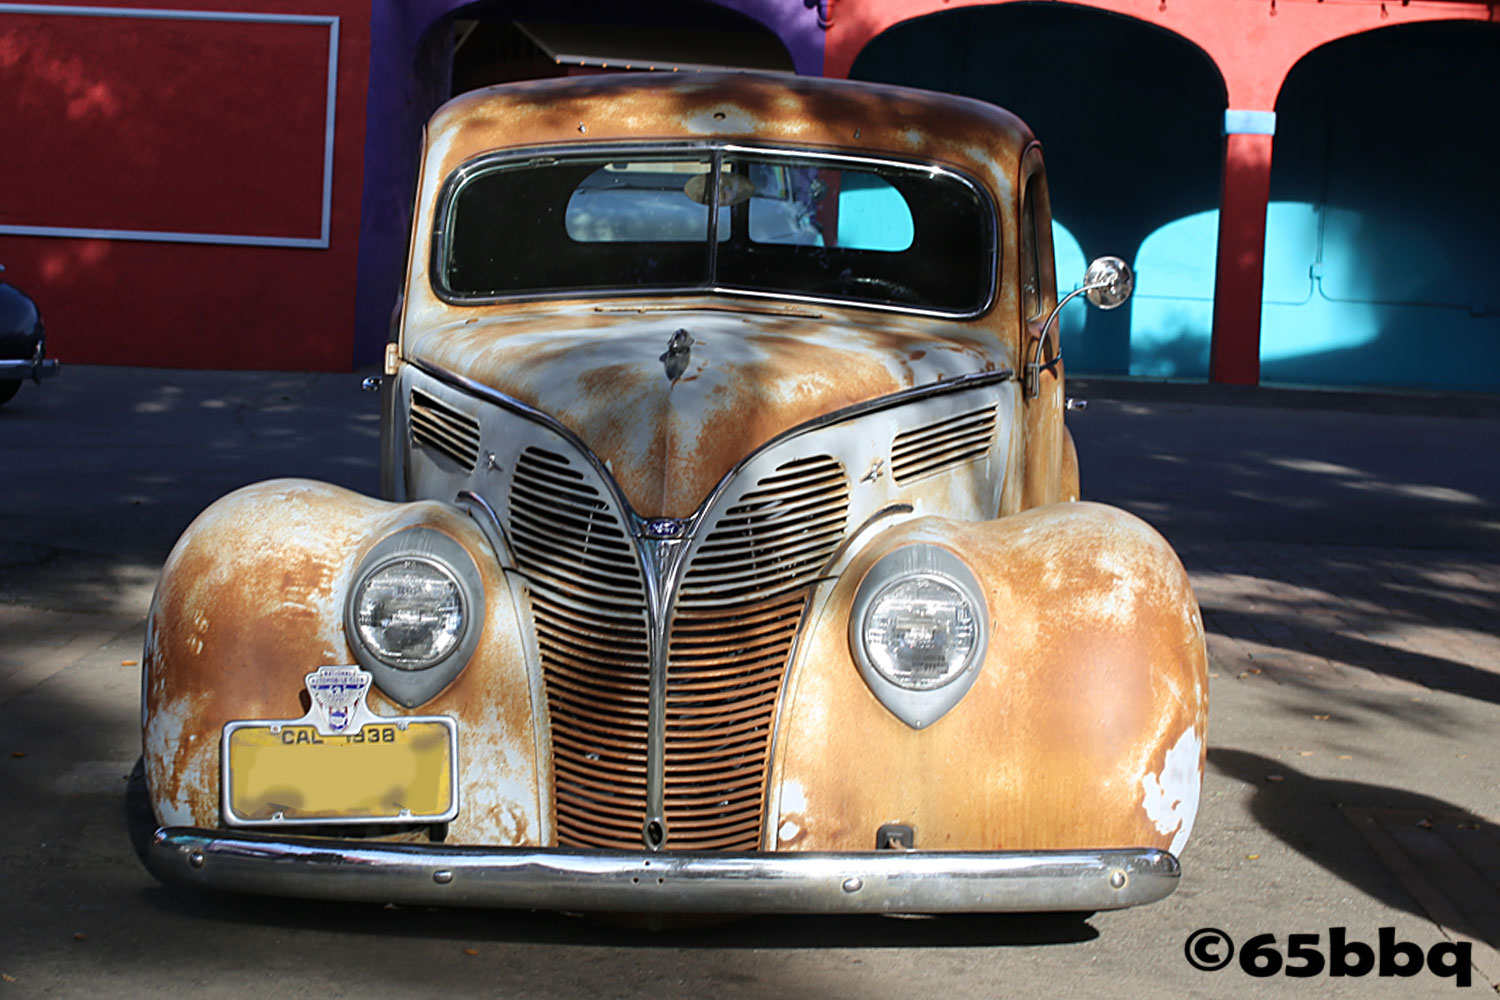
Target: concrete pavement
[(1345, 550)]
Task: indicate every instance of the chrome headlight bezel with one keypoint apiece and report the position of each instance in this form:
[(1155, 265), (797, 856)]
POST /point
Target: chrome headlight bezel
[(410, 684), (918, 705)]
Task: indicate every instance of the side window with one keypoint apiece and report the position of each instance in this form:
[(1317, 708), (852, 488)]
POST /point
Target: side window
[(1031, 288)]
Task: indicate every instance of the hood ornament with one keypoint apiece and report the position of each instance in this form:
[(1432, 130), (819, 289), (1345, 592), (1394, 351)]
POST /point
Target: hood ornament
[(679, 352)]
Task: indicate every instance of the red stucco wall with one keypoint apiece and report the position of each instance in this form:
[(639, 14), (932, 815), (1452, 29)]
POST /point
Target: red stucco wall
[(209, 129)]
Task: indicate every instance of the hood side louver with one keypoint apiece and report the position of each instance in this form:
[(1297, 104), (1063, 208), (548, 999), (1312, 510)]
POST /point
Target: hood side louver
[(436, 425), (922, 451)]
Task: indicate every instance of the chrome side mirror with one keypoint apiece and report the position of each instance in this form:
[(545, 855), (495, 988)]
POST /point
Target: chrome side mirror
[(1108, 283)]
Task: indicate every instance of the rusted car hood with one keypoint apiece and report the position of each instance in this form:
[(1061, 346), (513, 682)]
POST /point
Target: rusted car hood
[(748, 377)]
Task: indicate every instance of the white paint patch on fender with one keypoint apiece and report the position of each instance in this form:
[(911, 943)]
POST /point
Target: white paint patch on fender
[(1171, 800), (791, 807), (161, 752)]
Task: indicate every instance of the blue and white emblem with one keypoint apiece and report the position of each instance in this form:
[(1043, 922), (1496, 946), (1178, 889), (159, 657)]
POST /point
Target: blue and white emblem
[(663, 528), (338, 698)]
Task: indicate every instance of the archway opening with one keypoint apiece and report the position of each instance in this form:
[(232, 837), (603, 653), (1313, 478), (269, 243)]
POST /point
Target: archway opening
[(1381, 231), (1129, 117)]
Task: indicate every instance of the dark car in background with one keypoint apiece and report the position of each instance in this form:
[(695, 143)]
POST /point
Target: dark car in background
[(23, 342)]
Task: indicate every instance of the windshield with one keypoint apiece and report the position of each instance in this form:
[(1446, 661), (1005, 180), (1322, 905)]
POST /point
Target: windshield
[(865, 231)]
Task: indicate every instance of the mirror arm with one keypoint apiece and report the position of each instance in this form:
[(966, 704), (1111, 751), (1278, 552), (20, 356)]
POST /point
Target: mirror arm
[(1033, 382)]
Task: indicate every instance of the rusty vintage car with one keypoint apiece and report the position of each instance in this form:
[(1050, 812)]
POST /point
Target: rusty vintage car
[(730, 560)]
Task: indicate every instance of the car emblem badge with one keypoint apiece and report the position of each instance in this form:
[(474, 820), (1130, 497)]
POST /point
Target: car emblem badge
[(663, 527), (338, 698)]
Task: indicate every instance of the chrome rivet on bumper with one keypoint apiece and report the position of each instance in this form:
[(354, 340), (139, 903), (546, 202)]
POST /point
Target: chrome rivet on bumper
[(195, 858), (1117, 879), (442, 876), (853, 884)]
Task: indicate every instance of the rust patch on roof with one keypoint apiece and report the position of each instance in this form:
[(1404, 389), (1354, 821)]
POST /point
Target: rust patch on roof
[(777, 108)]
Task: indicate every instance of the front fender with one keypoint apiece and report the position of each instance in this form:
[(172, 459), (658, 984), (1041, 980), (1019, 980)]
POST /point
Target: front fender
[(251, 600), (1084, 729)]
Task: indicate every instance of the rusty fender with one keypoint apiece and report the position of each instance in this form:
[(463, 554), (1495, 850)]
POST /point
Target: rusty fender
[(251, 600), (1084, 728), (1069, 487)]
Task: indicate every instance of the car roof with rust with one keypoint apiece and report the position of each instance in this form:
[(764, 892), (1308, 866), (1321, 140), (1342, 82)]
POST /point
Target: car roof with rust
[(780, 109)]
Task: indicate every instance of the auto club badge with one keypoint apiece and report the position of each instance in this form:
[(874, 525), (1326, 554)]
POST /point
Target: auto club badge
[(338, 698)]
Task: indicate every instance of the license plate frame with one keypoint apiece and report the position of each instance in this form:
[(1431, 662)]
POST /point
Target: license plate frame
[(361, 776)]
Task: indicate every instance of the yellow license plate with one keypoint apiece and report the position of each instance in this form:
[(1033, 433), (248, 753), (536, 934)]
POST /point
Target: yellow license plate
[(285, 772)]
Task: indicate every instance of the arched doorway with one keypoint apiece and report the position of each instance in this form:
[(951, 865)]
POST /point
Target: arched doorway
[(1380, 238), (1129, 116)]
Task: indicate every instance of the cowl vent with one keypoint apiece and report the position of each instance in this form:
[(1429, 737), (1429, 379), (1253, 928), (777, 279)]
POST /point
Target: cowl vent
[(438, 426)]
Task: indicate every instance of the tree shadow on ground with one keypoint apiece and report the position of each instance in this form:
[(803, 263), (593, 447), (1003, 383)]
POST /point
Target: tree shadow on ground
[(1311, 612), (1303, 812), (106, 467), (1348, 532)]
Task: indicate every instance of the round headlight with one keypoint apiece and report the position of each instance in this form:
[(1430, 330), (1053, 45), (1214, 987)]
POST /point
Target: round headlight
[(414, 613), (410, 612), (920, 632)]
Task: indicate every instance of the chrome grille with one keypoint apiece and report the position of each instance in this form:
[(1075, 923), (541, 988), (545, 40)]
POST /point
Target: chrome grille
[(736, 618), (734, 621), (588, 606), (436, 425), (922, 451)]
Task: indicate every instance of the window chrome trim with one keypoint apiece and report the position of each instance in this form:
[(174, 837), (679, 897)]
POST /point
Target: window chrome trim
[(453, 185)]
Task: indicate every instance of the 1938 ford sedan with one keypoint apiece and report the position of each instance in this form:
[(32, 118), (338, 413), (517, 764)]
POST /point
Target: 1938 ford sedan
[(729, 561)]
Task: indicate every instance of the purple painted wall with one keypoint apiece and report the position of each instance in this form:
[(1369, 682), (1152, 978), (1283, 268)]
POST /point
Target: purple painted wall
[(409, 60)]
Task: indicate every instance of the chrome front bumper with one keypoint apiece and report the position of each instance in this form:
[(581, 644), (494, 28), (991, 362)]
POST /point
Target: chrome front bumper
[(641, 882), (36, 369)]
